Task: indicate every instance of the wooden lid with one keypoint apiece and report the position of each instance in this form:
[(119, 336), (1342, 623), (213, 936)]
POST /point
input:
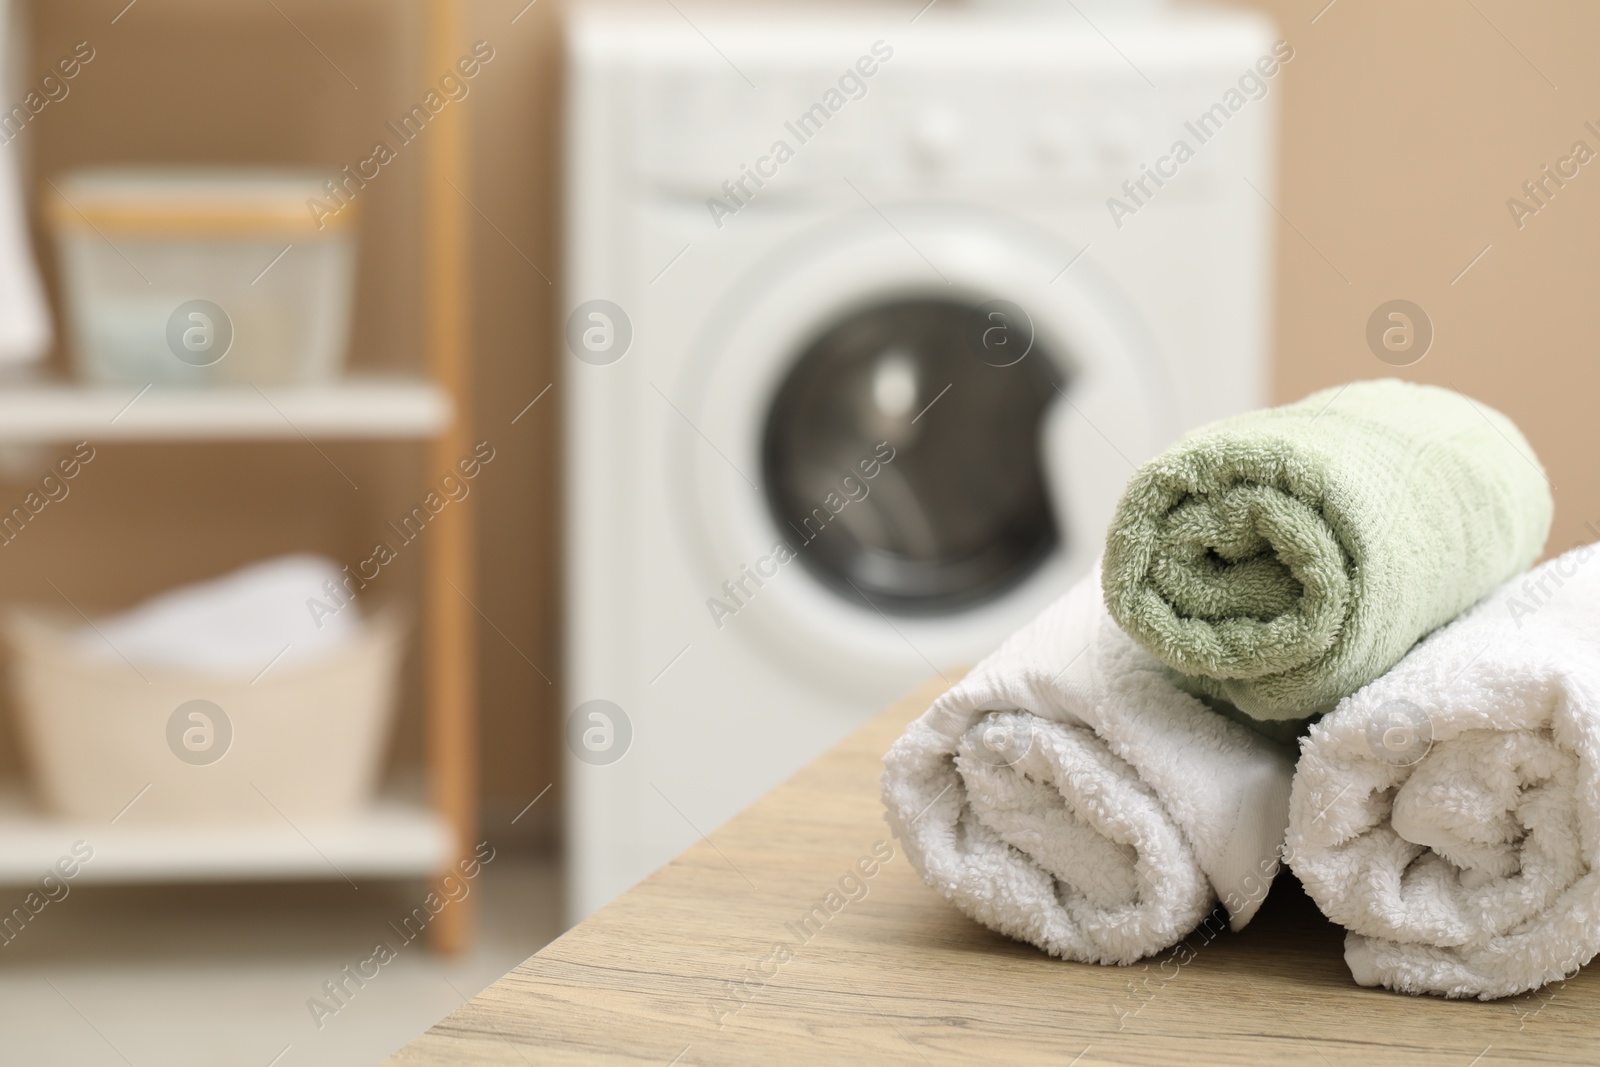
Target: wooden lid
[(211, 201)]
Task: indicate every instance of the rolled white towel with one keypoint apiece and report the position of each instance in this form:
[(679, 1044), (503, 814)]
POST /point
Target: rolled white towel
[(1448, 814), (1066, 794)]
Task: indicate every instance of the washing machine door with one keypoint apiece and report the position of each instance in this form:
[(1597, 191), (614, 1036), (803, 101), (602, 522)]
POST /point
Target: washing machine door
[(920, 433), (940, 400)]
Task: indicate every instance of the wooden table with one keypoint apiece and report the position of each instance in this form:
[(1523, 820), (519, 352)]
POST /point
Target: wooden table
[(682, 970)]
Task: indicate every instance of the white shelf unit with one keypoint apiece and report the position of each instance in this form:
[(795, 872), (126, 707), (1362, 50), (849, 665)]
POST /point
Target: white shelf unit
[(357, 409), (397, 837), (392, 838)]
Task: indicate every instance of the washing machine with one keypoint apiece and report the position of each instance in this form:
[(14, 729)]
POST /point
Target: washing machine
[(869, 314)]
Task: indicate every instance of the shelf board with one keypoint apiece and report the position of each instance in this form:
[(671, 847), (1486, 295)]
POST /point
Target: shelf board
[(355, 409), (394, 838)]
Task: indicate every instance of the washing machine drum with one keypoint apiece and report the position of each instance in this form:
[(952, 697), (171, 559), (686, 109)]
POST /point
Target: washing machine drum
[(902, 451)]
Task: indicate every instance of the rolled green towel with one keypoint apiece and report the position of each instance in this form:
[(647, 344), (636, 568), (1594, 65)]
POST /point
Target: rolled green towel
[(1284, 558)]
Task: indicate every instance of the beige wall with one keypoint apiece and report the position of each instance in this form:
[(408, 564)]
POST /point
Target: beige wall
[(1405, 129)]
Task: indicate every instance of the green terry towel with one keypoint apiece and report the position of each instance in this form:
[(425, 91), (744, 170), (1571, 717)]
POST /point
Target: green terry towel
[(1284, 558)]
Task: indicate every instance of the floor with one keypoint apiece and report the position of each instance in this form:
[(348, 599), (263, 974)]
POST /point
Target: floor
[(214, 976)]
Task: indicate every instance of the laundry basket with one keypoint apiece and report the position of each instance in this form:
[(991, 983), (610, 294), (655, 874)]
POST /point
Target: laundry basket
[(301, 741)]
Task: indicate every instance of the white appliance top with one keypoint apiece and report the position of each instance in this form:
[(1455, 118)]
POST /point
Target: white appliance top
[(1019, 33), (964, 96)]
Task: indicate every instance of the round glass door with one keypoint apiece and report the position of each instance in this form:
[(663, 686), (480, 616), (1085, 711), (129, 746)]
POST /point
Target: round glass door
[(901, 454)]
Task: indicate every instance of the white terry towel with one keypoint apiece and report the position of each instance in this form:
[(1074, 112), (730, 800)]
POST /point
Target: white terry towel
[(1448, 814), (1066, 794), (241, 622)]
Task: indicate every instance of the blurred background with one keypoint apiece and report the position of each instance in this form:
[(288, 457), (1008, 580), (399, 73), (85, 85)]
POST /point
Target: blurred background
[(1380, 165)]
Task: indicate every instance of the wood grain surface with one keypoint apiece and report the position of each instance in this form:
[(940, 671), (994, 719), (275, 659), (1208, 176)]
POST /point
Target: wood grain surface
[(685, 969)]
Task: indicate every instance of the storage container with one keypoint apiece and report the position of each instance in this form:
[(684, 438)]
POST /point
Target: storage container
[(203, 276), (302, 742)]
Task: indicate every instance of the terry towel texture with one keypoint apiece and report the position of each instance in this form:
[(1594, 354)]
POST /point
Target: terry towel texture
[(1067, 794), (1448, 815), (1284, 558)]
